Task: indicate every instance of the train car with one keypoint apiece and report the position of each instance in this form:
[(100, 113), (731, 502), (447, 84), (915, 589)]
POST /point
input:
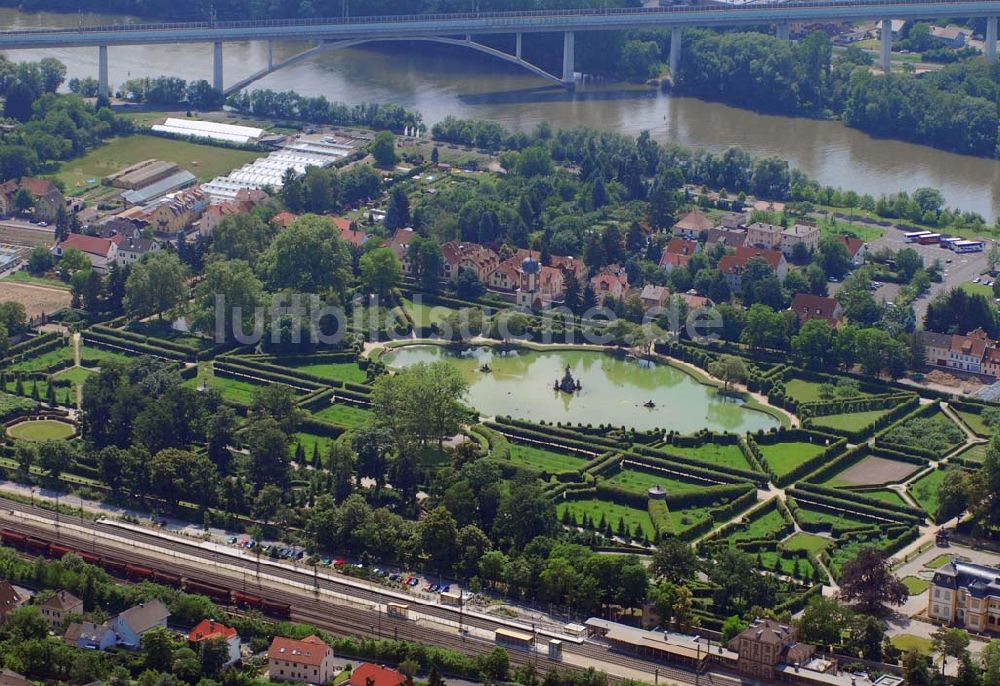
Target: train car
[(241, 599), (36, 545), (138, 572), (59, 551), (113, 566), (216, 593), (12, 538), (90, 558), (276, 609), (398, 610), (167, 579), (514, 639)]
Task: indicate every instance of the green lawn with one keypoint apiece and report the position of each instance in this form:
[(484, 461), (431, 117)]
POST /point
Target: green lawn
[(551, 462), (309, 441), (22, 276), (345, 415), (43, 430), (91, 357), (915, 585), (45, 360), (908, 642), (809, 391), (811, 543), (204, 161), (639, 481), (233, 390), (886, 495), (340, 371), (78, 375), (977, 289), (426, 315), (938, 561), (612, 512), (682, 520), (769, 522), (806, 515), (975, 453), (787, 564), (925, 490), (851, 421), (975, 422), (728, 455), (784, 457)]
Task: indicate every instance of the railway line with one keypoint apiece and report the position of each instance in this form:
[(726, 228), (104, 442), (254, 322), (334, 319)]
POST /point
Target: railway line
[(310, 605)]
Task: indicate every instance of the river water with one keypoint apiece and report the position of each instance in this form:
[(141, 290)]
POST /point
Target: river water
[(440, 81)]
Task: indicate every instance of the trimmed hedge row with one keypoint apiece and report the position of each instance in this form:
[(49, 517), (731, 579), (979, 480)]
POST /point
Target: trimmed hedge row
[(801, 435), (603, 464), (145, 339), (31, 347), (899, 456), (563, 432), (764, 508), (517, 431), (860, 497), (824, 408), (730, 472), (685, 469), (115, 343), (878, 509), (857, 436), (659, 513), (321, 428), (265, 375)]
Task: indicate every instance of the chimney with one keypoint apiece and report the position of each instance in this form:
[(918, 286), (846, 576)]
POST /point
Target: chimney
[(370, 681)]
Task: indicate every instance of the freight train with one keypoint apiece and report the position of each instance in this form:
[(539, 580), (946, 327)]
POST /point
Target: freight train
[(137, 573)]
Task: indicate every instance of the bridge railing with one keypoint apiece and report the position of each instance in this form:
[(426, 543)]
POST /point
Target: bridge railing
[(430, 18)]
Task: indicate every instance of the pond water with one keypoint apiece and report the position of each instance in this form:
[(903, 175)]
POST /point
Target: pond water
[(613, 390)]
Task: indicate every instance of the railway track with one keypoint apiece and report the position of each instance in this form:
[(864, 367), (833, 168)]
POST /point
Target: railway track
[(338, 617)]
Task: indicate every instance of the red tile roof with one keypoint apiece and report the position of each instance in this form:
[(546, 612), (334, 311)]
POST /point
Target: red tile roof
[(283, 219), (681, 246), (853, 245), (694, 222), (88, 244), (808, 306), (744, 254), (38, 187), (367, 674), (309, 651), (209, 628)]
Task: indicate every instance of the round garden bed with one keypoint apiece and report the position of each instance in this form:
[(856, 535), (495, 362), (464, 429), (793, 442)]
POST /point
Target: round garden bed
[(41, 429)]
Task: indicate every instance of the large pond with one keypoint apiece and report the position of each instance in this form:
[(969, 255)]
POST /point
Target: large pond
[(614, 390)]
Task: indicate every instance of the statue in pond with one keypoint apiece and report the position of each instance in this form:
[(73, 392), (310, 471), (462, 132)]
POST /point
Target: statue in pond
[(568, 383)]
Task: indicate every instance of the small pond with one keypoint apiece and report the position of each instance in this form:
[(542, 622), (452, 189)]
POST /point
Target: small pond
[(613, 390)]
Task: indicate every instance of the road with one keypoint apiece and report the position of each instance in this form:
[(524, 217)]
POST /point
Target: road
[(342, 605)]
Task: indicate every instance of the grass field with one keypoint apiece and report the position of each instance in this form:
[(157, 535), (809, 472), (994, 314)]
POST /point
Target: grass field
[(938, 561), (728, 455), (907, 642), (808, 391), (424, 314), (43, 430), (784, 457), (787, 564), (682, 520), (639, 481), (915, 585), (886, 495), (977, 289), (975, 422), (90, 357), (811, 543), (341, 371), (77, 375), (551, 462), (975, 453), (851, 421), (45, 360), (309, 441), (767, 523), (807, 515), (925, 490), (204, 161), (612, 512), (22, 276), (344, 415)]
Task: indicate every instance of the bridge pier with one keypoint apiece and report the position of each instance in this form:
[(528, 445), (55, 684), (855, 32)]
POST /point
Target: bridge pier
[(103, 90), (990, 48), (886, 61), (517, 45), (784, 31), (270, 55), (675, 52), (569, 55), (217, 67)]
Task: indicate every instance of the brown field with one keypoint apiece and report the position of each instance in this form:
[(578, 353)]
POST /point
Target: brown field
[(36, 299), (876, 470)]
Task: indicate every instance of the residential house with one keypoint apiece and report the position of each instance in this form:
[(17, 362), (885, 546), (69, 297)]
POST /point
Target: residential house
[(90, 636), (101, 251), (400, 245), (731, 238), (611, 283), (966, 353), (732, 266), (473, 257), (693, 300), (132, 249), (568, 265), (950, 36), (654, 296), (49, 200), (670, 261), (367, 674), (306, 661), (9, 677), (55, 609), (131, 624), (857, 249), (761, 235), (765, 645), (177, 212), (692, 224), (208, 629), (799, 233), (538, 285), (809, 307), (937, 347), (7, 191), (966, 595), (676, 253), (10, 600), (284, 219), (734, 221), (551, 279), (990, 365)]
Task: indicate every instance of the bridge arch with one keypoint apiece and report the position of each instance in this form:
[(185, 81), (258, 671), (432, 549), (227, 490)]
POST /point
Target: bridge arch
[(323, 48)]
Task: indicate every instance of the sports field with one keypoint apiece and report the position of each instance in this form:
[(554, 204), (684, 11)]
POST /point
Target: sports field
[(42, 430)]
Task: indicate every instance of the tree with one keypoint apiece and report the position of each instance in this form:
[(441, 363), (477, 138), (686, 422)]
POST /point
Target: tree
[(179, 474), (427, 260), (269, 458), (683, 610), (157, 646), (867, 581), (952, 495), (73, 260), (268, 503), (55, 457), (154, 285), (40, 260), (438, 534), (383, 149), (823, 621), (534, 161), (916, 670), (241, 236), (227, 299), (730, 368), (675, 561), (420, 403), (278, 402), (397, 213), (213, 654), (380, 272), (373, 444), (950, 642), (308, 257), (732, 627), (990, 658)]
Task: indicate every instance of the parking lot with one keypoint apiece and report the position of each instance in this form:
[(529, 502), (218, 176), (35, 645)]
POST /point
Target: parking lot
[(958, 268)]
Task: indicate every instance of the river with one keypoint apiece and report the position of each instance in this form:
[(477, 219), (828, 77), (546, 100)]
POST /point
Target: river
[(440, 81)]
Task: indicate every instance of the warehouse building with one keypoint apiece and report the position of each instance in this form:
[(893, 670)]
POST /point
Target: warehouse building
[(227, 133)]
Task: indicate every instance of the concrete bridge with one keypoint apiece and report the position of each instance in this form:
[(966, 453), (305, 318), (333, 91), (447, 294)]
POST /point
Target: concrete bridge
[(459, 29)]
